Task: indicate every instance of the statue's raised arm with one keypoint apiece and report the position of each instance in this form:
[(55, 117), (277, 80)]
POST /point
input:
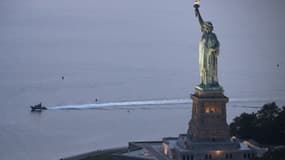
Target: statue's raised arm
[(206, 27), (197, 13)]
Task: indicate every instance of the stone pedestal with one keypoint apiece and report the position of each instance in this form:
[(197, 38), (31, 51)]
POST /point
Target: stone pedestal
[(208, 133), (208, 121)]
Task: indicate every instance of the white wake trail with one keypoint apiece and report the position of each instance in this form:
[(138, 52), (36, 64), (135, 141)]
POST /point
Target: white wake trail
[(118, 104), (234, 102)]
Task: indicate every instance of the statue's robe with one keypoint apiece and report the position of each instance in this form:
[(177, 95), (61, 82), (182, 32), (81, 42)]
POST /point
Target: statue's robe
[(208, 52)]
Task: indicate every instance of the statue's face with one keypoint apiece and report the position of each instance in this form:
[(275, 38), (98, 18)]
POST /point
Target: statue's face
[(207, 27)]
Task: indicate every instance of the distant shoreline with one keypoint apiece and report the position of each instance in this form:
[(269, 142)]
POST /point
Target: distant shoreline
[(87, 155)]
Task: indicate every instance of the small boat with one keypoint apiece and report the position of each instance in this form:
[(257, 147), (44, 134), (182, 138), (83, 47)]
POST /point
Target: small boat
[(38, 108)]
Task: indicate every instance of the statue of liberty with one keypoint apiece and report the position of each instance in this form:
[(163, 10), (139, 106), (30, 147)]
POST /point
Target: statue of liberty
[(208, 52)]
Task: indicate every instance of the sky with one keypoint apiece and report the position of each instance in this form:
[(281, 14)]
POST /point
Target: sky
[(152, 40)]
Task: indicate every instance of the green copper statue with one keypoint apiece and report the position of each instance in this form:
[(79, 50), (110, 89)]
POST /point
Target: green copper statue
[(208, 52)]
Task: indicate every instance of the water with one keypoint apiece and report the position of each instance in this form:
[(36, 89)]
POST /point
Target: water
[(125, 52)]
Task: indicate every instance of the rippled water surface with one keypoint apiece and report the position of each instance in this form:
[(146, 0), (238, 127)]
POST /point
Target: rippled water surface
[(139, 58)]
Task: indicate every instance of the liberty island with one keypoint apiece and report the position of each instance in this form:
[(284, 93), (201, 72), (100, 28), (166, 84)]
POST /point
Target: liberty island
[(208, 135)]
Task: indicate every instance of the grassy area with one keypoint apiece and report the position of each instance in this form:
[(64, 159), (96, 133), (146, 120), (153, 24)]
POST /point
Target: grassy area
[(277, 154), (107, 156)]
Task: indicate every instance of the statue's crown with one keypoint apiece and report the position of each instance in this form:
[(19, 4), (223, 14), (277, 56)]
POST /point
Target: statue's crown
[(208, 27)]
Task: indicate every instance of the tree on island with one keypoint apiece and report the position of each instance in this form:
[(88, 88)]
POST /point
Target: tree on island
[(266, 126)]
